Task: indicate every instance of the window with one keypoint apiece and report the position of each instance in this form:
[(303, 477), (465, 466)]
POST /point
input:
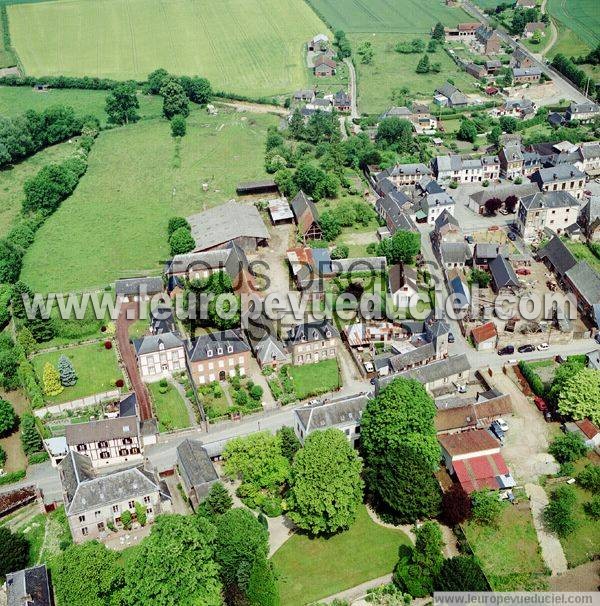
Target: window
[(84, 531), (105, 454), (135, 450), (146, 499), (103, 444), (97, 514), (131, 504), (230, 349), (115, 509), (123, 452), (219, 351), (127, 441), (81, 447), (101, 526), (82, 518)]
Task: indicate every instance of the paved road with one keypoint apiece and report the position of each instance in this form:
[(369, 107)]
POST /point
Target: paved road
[(353, 90)]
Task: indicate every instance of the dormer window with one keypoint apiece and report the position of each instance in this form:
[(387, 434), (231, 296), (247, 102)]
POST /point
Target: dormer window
[(230, 349), (161, 347), (209, 353), (219, 351)]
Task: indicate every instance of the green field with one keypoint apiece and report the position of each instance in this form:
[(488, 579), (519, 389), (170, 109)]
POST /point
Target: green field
[(391, 70), (253, 47), (408, 16), (310, 569), (7, 57), (581, 17), (95, 366), (16, 100), (115, 222), (313, 379)]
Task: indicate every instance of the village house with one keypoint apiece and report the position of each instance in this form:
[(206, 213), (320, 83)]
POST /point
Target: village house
[(464, 170), (525, 75), (454, 255), (521, 59), (583, 112), (485, 337), (474, 458), (448, 95), (516, 108), (217, 356), (342, 101), (511, 161), (304, 96), (365, 334), (107, 442), (554, 210), (312, 342), (557, 257), (564, 177), (402, 280), (28, 587), (93, 501), (307, 217), (341, 413), (196, 470), (476, 70), (589, 219), (487, 41), (536, 26), (395, 208), (589, 158), (584, 283), (324, 67), (504, 278), (159, 356), (231, 222), (404, 174), (462, 32), (446, 229), (455, 415), (431, 206), (129, 290), (491, 168), (460, 294)]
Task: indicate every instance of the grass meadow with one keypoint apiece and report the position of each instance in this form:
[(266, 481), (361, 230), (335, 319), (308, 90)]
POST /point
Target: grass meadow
[(114, 224), (391, 70), (251, 47), (581, 17), (402, 16), (169, 407), (313, 379)]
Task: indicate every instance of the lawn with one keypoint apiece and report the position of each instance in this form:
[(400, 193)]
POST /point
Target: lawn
[(15, 457), (310, 569), (13, 178), (169, 407), (95, 366), (252, 47), (15, 100), (313, 379), (114, 224), (408, 16), (582, 253), (509, 553), (391, 70), (581, 17)]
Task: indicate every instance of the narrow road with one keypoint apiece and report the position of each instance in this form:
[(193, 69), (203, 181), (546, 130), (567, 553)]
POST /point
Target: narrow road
[(353, 90)]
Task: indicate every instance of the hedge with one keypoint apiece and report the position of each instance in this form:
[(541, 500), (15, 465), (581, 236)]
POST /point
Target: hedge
[(38, 457), (9, 478), (534, 380)]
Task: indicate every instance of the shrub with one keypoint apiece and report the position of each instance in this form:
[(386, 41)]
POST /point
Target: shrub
[(38, 457), (456, 506), (529, 374), (119, 383), (271, 507), (2, 456), (141, 513), (558, 514), (592, 508), (107, 344), (589, 478), (9, 478), (8, 418), (486, 507), (256, 392), (568, 448), (126, 519)]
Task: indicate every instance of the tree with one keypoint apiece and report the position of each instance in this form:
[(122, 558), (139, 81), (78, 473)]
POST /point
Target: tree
[(423, 65), (68, 376), (198, 90), (175, 564), (402, 247), (467, 131), (365, 52), (494, 135), (11, 261), (439, 32), (19, 290), (330, 226), (14, 553), (342, 43), (296, 126), (175, 101), (558, 514), (341, 251), (568, 448), (30, 437), (456, 506), (256, 392), (87, 575), (51, 380), (8, 418), (241, 542), (460, 573), (510, 204), (122, 104), (262, 587), (156, 80), (402, 479), (396, 134), (42, 329), (580, 396), (218, 500), (492, 206), (589, 478), (126, 519), (480, 277), (2, 456), (290, 444), (508, 124), (537, 37), (487, 507), (325, 483), (181, 241), (26, 340), (178, 127), (176, 222)]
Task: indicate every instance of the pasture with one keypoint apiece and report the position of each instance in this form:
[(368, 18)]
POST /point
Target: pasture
[(379, 16), (582, 18), (251, 47), (391, 70), (115, 222)]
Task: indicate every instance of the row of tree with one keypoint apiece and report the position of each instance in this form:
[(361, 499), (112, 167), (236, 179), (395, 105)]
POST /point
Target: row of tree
[(575, 74)]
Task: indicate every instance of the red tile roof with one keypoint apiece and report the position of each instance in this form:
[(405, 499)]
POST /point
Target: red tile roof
[(588, 428), (484, 332), (468, 27), (468, 442), (480, 472)]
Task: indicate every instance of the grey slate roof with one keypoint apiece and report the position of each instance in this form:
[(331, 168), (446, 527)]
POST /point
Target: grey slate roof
[(503, 274), (452, 93), (558, 255), (398, 112), (488, 250), (450, 162), (29, 587), (312, 331), (392, 206), (84, 490), (503, 191), (519, 72), (269, 349), (404, 169), (415, 356), (561, 172), (227, 222), (152, 343), (137, 286), (550, 199), (401, 275), (106, 429), (591, 210), (445, 218), (194, 462), (229, 341), (332, 414), (587, 282), (455, 252), (583, 108)]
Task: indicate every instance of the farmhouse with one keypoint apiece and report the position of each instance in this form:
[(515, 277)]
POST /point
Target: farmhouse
[(306, 96), (521, 59), (28, 587), (217, 356), (312, 342), (555, 210), (564, 177), (557, 257), (450, 95), (485, 336), (590, 219), (462, 32), (231, 222), (504, 277), (454, 415), (324, 67), (536, 26), (93, 501), (524, 75), (318, 43), (476, 70), (342, 101), (487, 40), (159, 356), (394, 209), (404, 174), (307, 217), (196, 470), (342, 413), (584, 283)]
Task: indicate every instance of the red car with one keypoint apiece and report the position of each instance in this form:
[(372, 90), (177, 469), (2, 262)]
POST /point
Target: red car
[(540, 404), (523, 271)]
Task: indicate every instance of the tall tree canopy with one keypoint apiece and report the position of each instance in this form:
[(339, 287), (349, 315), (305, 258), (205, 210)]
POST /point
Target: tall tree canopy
[(122, 104), (580, 396)]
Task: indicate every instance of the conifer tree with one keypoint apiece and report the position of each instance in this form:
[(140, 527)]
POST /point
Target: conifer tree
[(68, 376)]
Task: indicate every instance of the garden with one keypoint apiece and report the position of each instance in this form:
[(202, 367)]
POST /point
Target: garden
[(292, 383), (171, 411), (238, 396), (92, 369)]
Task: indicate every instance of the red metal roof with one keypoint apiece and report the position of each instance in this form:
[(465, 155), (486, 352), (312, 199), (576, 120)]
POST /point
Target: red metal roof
[(480, 472), (588, 428)]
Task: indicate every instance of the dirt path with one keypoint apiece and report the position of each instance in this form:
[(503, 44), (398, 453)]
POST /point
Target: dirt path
[(582, 578), (257, 108), (552, 550), (553, 31), (128, 356)]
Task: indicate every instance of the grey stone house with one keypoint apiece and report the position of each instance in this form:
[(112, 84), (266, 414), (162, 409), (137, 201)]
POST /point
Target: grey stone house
[(196, 470)]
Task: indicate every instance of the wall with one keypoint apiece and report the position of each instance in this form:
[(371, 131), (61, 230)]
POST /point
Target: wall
[(75, 404)]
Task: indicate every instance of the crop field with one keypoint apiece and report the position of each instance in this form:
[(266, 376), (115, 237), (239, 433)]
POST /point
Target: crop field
[(402, 16), (115, 222), (252, 47), (391, 70), (582, 18)]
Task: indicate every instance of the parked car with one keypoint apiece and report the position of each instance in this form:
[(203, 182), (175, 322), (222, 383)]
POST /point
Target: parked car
[(543, 346), (523, 271), (503, 211), (540, 404), (597, 337), (502, 424), (497, 431), (526, 348), (512, 236), (506, 351), (450, 338)]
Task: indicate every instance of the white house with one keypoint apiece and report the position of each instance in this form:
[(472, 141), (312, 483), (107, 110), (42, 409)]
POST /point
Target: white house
[(403, 284)]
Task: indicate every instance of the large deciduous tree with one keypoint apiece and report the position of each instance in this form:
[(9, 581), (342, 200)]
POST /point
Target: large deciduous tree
[(122, 104), (175, 101), (325, 484), (402, 247), (461, 573), (8, 417), (11, 262), (181, 241), (456, 506), (580, 396), (14, 553), (396, 134)]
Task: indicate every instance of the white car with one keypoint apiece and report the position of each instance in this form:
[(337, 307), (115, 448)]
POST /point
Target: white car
[(543, 346), (502, 424)]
